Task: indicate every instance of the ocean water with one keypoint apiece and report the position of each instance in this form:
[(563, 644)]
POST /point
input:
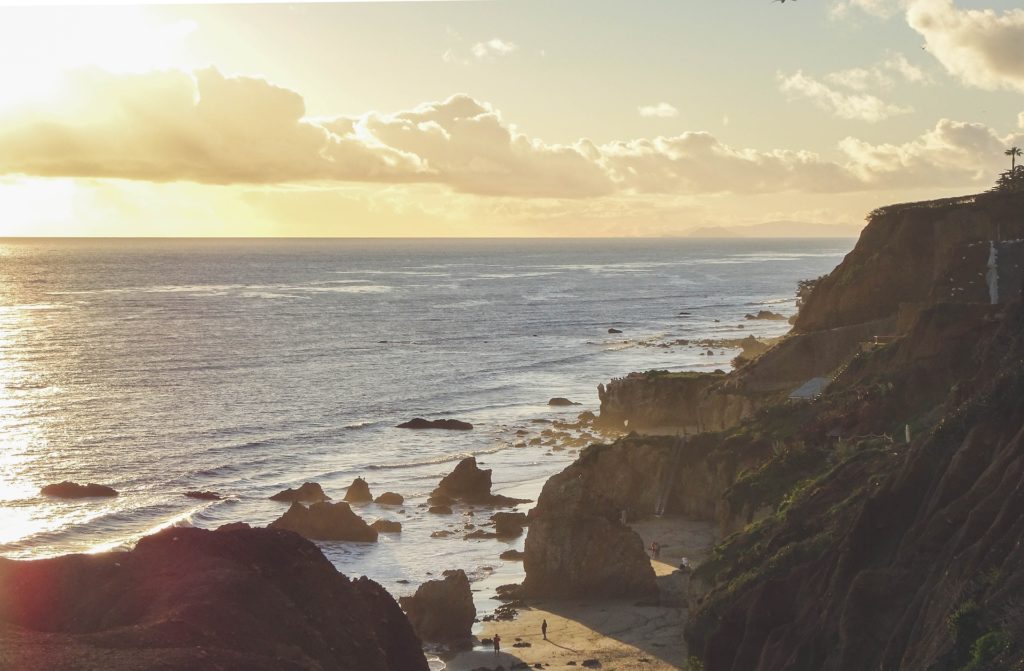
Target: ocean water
[(247, 366)]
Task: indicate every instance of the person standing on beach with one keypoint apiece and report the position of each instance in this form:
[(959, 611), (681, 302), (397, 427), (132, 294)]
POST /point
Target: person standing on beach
[(497, 644), (544, 629)]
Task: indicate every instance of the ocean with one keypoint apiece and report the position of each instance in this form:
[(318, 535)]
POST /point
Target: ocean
[(248, 366)]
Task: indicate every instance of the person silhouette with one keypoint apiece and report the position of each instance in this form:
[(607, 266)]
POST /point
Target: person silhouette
[(497, 644), (544, 629)]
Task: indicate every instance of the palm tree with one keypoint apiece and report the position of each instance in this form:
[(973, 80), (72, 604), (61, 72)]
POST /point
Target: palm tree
[(1013, 153)]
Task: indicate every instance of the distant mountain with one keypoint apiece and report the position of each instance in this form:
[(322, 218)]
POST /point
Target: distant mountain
[(777, 229)]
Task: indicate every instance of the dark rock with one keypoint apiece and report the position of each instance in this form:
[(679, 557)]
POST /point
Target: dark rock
[(509, 592), (522, 644), (479, 533), (509, 525), (185, 598), (471, 484), (326, 522), (449, 424), (442, 611), (558, 400), (358, 492), (511, 555), (440, 510), (614, 330), (387, 526), (73, 490), (309, 492), (204, 496), (390, 499), (591, 664), (444, 533), (766, 314), (577, 545)]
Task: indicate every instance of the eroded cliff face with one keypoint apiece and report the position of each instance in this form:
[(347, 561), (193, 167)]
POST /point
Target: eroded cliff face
[(922, 252), (892, 556)]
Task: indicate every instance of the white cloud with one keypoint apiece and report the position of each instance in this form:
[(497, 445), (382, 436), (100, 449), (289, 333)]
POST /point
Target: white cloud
[(207, 128), (879, 8), (1020, 121), (883, 74), (860, 106), (982, 48), (492, 48), (661, 110)]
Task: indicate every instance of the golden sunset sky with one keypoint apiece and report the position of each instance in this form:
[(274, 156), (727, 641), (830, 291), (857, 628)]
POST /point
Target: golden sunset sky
[(505, 118)]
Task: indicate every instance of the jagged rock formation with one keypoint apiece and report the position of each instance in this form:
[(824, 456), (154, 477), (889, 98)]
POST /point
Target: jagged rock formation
[(577, 546), (508, 525), (326, 522), (187, 599), (204, 495), (309, 492), (442, 611), (470, 484), (73, 490), (387, 526), (358, 492)]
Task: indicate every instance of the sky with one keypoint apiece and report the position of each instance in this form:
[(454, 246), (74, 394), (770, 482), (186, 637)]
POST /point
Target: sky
[(498, 118)]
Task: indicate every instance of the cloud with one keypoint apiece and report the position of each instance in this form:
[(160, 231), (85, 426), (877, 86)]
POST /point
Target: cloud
[(982, 48), (493, 48), (881, 75), (661, 110), (208, 128), (878, 8), (860, 106)]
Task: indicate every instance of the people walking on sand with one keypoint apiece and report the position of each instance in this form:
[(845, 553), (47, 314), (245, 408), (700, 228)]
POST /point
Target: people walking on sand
[(544, 629), (497, 644)]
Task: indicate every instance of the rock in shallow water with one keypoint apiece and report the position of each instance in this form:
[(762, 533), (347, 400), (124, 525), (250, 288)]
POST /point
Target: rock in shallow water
[(390, 499), (204, 496), (309, 492), (449, 424), (442, 611), (191, 599), (326, 522), (471, 484), (358, 492), (73, 490)]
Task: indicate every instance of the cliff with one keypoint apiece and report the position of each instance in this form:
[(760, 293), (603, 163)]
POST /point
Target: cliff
[(878, 526), (232, 599)]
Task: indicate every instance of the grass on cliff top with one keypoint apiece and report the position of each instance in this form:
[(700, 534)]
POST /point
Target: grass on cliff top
[(680, 375)]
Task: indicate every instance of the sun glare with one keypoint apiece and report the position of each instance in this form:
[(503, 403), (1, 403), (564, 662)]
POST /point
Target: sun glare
[(37, 45)]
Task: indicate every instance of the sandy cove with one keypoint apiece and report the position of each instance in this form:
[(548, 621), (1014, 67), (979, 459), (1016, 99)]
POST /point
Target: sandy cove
[(620, 634)]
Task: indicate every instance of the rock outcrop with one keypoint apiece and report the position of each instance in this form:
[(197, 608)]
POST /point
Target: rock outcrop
[(73, 490), (188, 599), (204, 495), (309, 492), (560, 401), (390, 499), (509, 525), (470, 484), (578, 547), (387, 526), (326, 522), (358, 492), (442, 611), (448, 424)]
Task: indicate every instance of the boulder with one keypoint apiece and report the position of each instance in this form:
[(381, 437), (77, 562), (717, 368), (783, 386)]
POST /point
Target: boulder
[(577, 545), (390, 499), (186, 598), (442, 611), (614, 330), (511, 555), (471, 484), (766, 314), (358, 492), (387, 527), (326, 522), (449, 424), (558, 400), (309, 492), (440, 510), (479, 533), (508, 525), (204, 496), (73, 490)]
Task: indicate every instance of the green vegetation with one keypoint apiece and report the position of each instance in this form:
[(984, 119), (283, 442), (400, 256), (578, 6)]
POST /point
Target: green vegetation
[(986, 651)]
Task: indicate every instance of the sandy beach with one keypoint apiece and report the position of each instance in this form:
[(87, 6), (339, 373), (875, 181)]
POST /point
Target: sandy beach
[(620, 634)]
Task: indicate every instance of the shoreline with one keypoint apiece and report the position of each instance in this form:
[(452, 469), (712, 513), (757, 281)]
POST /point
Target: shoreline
[(618, 632)]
